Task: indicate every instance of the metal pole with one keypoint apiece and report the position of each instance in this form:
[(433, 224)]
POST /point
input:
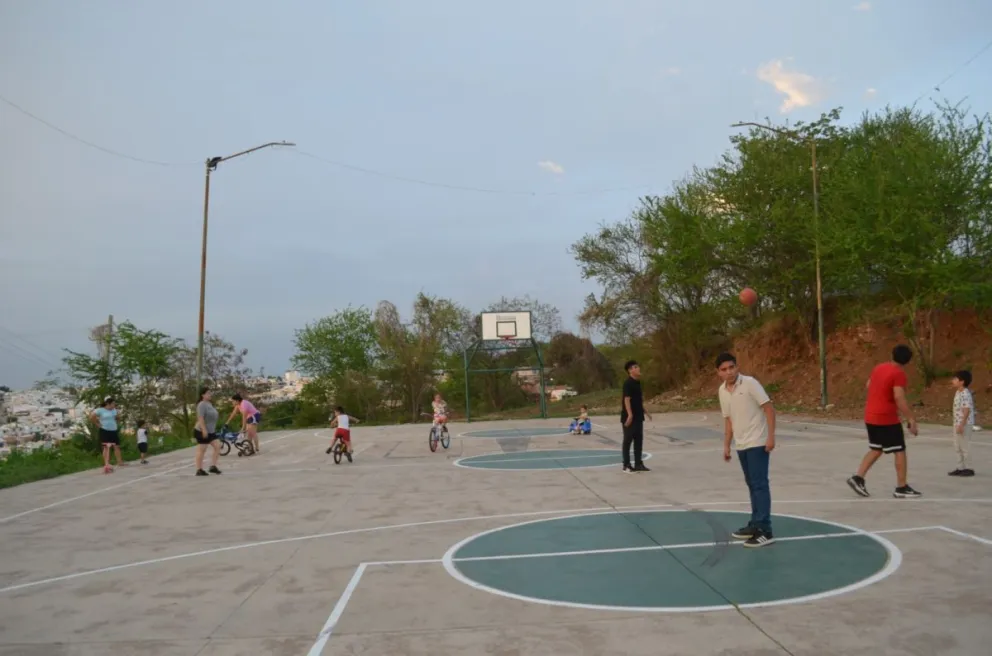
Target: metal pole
[(110, 339), (821, 336), (203, 274), (468, 403)]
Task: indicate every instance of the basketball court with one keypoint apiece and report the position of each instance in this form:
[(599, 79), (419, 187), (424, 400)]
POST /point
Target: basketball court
[(518, 539)]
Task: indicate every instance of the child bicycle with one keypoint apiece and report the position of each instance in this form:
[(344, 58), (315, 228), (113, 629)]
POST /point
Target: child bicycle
[(239, 440), (439, 433), (339, 448)]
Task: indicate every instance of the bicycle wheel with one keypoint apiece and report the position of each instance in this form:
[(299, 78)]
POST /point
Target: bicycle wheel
[(225, 447), (445, 437), (432, 439), (338, 448)]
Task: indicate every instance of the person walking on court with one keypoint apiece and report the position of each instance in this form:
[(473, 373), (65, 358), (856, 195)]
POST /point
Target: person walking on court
[(749, 421), (632, 417), (205, 433), (107, 417), (886, 400)]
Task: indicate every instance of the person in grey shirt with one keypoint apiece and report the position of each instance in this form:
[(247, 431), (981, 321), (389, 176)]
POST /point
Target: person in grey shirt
[(205, 432)]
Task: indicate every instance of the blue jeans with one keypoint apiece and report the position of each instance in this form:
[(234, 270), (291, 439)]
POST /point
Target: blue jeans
[(754, 462)]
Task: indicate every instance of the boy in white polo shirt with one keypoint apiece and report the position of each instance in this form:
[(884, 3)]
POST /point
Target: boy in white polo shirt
[(749, 420)]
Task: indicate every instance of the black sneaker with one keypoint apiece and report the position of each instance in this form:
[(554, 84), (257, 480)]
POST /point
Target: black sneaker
[(906, 492), (760, 539), (214, 470), (967, 472), (329, 449), (627, 469), (956, 472), (641, 468), (858, 485), (744, 533), (348, 455), (200, 472)]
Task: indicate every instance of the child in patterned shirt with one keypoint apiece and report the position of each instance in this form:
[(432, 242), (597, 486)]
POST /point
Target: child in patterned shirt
[(964, 420)]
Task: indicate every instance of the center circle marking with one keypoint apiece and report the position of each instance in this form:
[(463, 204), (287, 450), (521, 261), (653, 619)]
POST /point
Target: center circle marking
[(673, 561), (544, 459)]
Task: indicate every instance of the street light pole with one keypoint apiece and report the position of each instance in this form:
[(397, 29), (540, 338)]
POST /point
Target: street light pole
[(211, 165), (821, 335)]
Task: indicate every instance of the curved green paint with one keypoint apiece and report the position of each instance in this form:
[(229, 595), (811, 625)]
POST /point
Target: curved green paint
[(545, 459), (714, 573)]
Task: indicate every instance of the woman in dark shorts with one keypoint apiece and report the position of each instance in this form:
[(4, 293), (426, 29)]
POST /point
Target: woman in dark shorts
[(106, 418), (206, 432)]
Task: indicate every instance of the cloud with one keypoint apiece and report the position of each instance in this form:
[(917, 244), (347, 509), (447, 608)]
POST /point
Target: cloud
[(870, 92), (862, 6), (552, 167), (672, 71), (800, 89)]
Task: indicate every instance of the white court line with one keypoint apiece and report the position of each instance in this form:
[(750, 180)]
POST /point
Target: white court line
[(687, 545), (602, 452), (4, 520), (342, 602), (94, 492), (966, 535), (336, 612), (456, 520)]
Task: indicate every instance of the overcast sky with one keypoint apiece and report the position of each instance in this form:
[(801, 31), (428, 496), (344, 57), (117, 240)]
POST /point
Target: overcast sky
[(538, 101)]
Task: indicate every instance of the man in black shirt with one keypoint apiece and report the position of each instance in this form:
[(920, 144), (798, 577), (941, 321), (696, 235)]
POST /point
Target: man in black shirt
[(632, 417)]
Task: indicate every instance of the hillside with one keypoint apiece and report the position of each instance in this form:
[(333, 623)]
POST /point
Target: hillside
[(787, 364)]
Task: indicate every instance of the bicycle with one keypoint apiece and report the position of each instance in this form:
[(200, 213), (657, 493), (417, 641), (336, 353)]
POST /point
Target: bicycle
[(240, 441), (338, 449), (439, 433)]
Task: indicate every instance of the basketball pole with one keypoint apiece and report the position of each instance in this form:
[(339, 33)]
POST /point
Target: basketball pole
[(821, 333)]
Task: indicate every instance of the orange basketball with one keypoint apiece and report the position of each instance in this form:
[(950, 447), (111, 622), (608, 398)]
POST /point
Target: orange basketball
[(748, 296)]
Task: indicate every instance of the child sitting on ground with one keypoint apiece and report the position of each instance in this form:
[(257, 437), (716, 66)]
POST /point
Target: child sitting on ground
[(581, 424)]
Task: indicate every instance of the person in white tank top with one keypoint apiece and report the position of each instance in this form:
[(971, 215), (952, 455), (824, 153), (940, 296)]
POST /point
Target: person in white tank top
[(341, 423)]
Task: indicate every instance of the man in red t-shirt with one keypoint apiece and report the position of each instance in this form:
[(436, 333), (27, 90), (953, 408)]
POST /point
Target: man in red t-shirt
[(886, 399)]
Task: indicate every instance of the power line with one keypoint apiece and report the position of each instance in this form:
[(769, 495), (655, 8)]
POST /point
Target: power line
[(344, 165), (960, 68), (483, 190), (40, 351), (104, 149)]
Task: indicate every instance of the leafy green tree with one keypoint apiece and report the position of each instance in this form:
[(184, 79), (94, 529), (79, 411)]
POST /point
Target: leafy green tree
[(413, 354), (333, 345), (135, 374), (574, 361)]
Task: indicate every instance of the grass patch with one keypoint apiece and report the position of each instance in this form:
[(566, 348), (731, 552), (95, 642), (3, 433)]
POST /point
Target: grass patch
[(76, 455)]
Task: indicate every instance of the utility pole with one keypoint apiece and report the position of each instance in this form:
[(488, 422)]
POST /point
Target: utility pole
[(211, 165), (821, 335), (110, 337)]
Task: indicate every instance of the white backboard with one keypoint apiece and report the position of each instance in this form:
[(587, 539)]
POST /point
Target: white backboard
[(505, 325)]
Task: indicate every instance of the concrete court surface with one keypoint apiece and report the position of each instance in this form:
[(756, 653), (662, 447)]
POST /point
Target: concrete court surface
[(288, 554)]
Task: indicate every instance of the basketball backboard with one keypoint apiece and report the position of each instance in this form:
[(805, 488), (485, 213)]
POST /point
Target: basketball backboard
[(505, 325)]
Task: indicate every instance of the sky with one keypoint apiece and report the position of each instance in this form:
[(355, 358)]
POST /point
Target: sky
[(447, 146)]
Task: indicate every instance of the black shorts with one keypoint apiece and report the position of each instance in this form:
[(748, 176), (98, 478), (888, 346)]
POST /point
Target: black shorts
[(887, 439), (200, 439), (109, 437), (143, 447)]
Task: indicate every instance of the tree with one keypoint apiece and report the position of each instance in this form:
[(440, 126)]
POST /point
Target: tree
[(135, 373), (333, 345), (911, 216), (577, 363), (411, 354), (224, 371)]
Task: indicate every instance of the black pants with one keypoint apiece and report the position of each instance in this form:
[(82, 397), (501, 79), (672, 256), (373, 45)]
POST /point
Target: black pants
[(633, 434)]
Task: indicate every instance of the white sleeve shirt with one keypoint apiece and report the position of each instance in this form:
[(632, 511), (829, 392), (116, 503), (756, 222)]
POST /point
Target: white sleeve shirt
[(743, 408)]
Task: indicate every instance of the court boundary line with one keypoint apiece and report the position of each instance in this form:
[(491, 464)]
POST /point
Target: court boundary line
[(457, 463), (116, 486), (457, 520), (892, 564)]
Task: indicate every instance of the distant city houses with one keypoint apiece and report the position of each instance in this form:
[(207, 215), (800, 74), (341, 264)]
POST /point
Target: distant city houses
[(37, 419)]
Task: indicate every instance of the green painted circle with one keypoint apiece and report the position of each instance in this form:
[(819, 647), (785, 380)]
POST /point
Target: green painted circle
[(517, 432), (669, 561), (546, 459)]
